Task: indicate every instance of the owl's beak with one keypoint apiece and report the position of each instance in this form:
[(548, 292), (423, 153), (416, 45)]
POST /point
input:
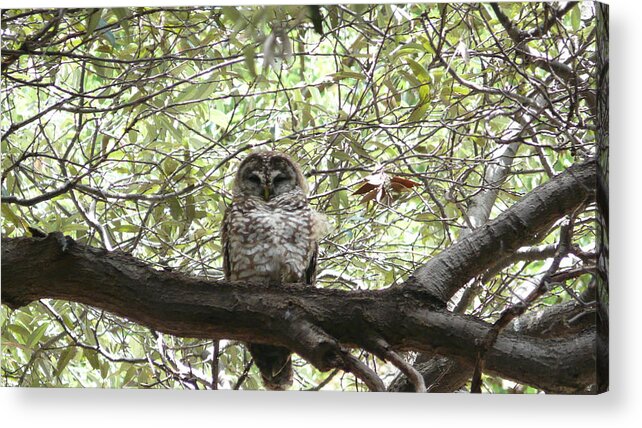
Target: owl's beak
[(267, 191)]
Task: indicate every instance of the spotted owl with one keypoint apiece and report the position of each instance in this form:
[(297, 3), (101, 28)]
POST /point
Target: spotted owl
[(270, 234)]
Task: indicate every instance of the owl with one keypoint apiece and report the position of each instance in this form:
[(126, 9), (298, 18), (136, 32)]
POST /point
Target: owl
[(270, 234)]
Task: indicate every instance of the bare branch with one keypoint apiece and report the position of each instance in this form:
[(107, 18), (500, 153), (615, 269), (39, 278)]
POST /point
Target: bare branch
[(363, 372), (443, 275)]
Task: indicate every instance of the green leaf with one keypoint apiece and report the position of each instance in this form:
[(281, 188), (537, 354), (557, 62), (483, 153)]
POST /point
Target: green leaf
[(123, 15), (576, 17), (21, 333), (129, 375), (36, 335), (93, 19), (190, 210), (409, 49), (169, 165), (175, 208), (232, 14), (92, 356), (426, 217), (219, 118), (104, 369), (174, 129), (7, 212), (419, 112), (249, 57), (346, 75), (418, 70), (423, 77), (64, 359), (127, 228)]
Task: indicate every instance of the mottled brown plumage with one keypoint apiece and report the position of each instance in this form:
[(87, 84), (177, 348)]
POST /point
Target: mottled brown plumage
[(270, 234)]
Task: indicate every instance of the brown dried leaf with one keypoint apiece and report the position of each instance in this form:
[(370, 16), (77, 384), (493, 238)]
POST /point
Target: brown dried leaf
[(398, 182), (370, 196), (378, 186), (364, 189), (397, 187)]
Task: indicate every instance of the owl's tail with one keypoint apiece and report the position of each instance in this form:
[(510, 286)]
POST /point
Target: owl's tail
[(275, 365)]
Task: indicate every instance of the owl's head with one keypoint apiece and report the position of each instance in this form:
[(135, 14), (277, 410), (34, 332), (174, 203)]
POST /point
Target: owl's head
[(268, 175)]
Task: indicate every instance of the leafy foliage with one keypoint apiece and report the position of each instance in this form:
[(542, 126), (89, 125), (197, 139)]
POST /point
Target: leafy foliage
[(123, 127)]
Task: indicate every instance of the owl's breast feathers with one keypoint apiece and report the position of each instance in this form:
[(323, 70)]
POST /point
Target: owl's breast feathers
[(273, 241)]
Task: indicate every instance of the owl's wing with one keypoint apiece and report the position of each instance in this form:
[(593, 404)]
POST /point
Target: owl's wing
[(225, 244), (311, 270)]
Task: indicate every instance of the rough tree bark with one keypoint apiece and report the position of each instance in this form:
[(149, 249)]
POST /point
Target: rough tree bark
[(319, 324)]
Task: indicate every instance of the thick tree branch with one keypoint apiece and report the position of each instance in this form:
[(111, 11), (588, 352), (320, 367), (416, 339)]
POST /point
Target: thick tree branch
[(307, 320), (318, 323), (440, 374), (443, 374)]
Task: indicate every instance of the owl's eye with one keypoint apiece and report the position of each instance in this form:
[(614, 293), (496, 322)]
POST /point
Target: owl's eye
[(279, 179), (254, 179)]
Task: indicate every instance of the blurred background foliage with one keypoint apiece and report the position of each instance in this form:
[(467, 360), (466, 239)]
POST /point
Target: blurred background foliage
[(123, 128)]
